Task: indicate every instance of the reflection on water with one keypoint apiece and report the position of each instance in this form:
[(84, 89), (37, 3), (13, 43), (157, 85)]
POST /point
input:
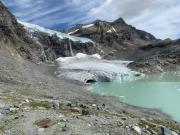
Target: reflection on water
[(160, 91)]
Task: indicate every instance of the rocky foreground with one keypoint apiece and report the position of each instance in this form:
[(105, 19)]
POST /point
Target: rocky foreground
[(33, 101)]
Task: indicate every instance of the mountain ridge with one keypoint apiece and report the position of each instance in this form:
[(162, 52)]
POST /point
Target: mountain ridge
[(112, 40), (118, 40), (116, 36)]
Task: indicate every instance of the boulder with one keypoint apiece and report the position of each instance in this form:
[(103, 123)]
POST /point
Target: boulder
[(137, 129), (44, 123)]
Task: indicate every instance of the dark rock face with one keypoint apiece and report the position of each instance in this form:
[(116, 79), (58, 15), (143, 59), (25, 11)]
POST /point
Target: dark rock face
[(55, 47), (103, 29), (120, 40), (10, 29), (117, 39), (41, 46), (8, 24), (13, 34), (158, 57)]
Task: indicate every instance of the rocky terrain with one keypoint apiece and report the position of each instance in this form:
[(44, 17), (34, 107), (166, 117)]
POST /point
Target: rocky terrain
[(56, 44), (118, 40), (158, 57), (36, 46), (34, 102), (115, 39)]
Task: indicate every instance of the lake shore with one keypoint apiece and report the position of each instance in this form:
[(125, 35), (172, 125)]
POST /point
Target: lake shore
[(30, 92)]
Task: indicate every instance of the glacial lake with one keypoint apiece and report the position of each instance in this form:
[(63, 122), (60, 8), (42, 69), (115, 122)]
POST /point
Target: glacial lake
[(160, 91)]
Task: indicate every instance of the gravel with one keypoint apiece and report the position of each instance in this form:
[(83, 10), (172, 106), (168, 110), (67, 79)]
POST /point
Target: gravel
[(33, 93)]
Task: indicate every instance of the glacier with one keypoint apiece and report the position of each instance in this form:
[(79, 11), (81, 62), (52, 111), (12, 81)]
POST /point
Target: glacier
[(92, 68), (36, 28)]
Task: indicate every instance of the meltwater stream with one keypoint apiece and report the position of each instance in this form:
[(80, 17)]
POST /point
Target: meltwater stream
[(160, 91)]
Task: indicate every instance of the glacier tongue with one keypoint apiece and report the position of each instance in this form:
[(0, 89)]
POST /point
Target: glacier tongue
[(36, 28), (91, 68)]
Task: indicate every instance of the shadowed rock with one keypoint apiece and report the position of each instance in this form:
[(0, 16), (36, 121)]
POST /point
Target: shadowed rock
[(44, 123)]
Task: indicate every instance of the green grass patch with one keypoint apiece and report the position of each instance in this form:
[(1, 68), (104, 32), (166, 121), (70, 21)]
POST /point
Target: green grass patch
[(2, 127), (43, 104)]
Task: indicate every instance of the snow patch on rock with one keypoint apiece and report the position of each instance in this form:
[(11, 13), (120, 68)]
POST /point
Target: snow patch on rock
[(72, 32), (112, 30), (87, 26)]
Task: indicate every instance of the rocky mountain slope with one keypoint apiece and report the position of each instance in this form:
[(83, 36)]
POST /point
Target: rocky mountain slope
[(37, 43), (14, 36), (116, 39), (113, 40), (158, 57), (57, 44)]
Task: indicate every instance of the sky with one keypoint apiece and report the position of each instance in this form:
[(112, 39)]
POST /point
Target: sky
[(158, 17)]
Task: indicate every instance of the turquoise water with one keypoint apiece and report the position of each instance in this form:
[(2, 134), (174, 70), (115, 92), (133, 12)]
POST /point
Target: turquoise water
[(160, 91)]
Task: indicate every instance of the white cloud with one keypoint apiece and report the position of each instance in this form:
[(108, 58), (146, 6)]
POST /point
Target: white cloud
[(159, 17), (162, 22)]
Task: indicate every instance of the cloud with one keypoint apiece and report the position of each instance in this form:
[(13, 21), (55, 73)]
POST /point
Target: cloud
[(163, 22), (159, 17)]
